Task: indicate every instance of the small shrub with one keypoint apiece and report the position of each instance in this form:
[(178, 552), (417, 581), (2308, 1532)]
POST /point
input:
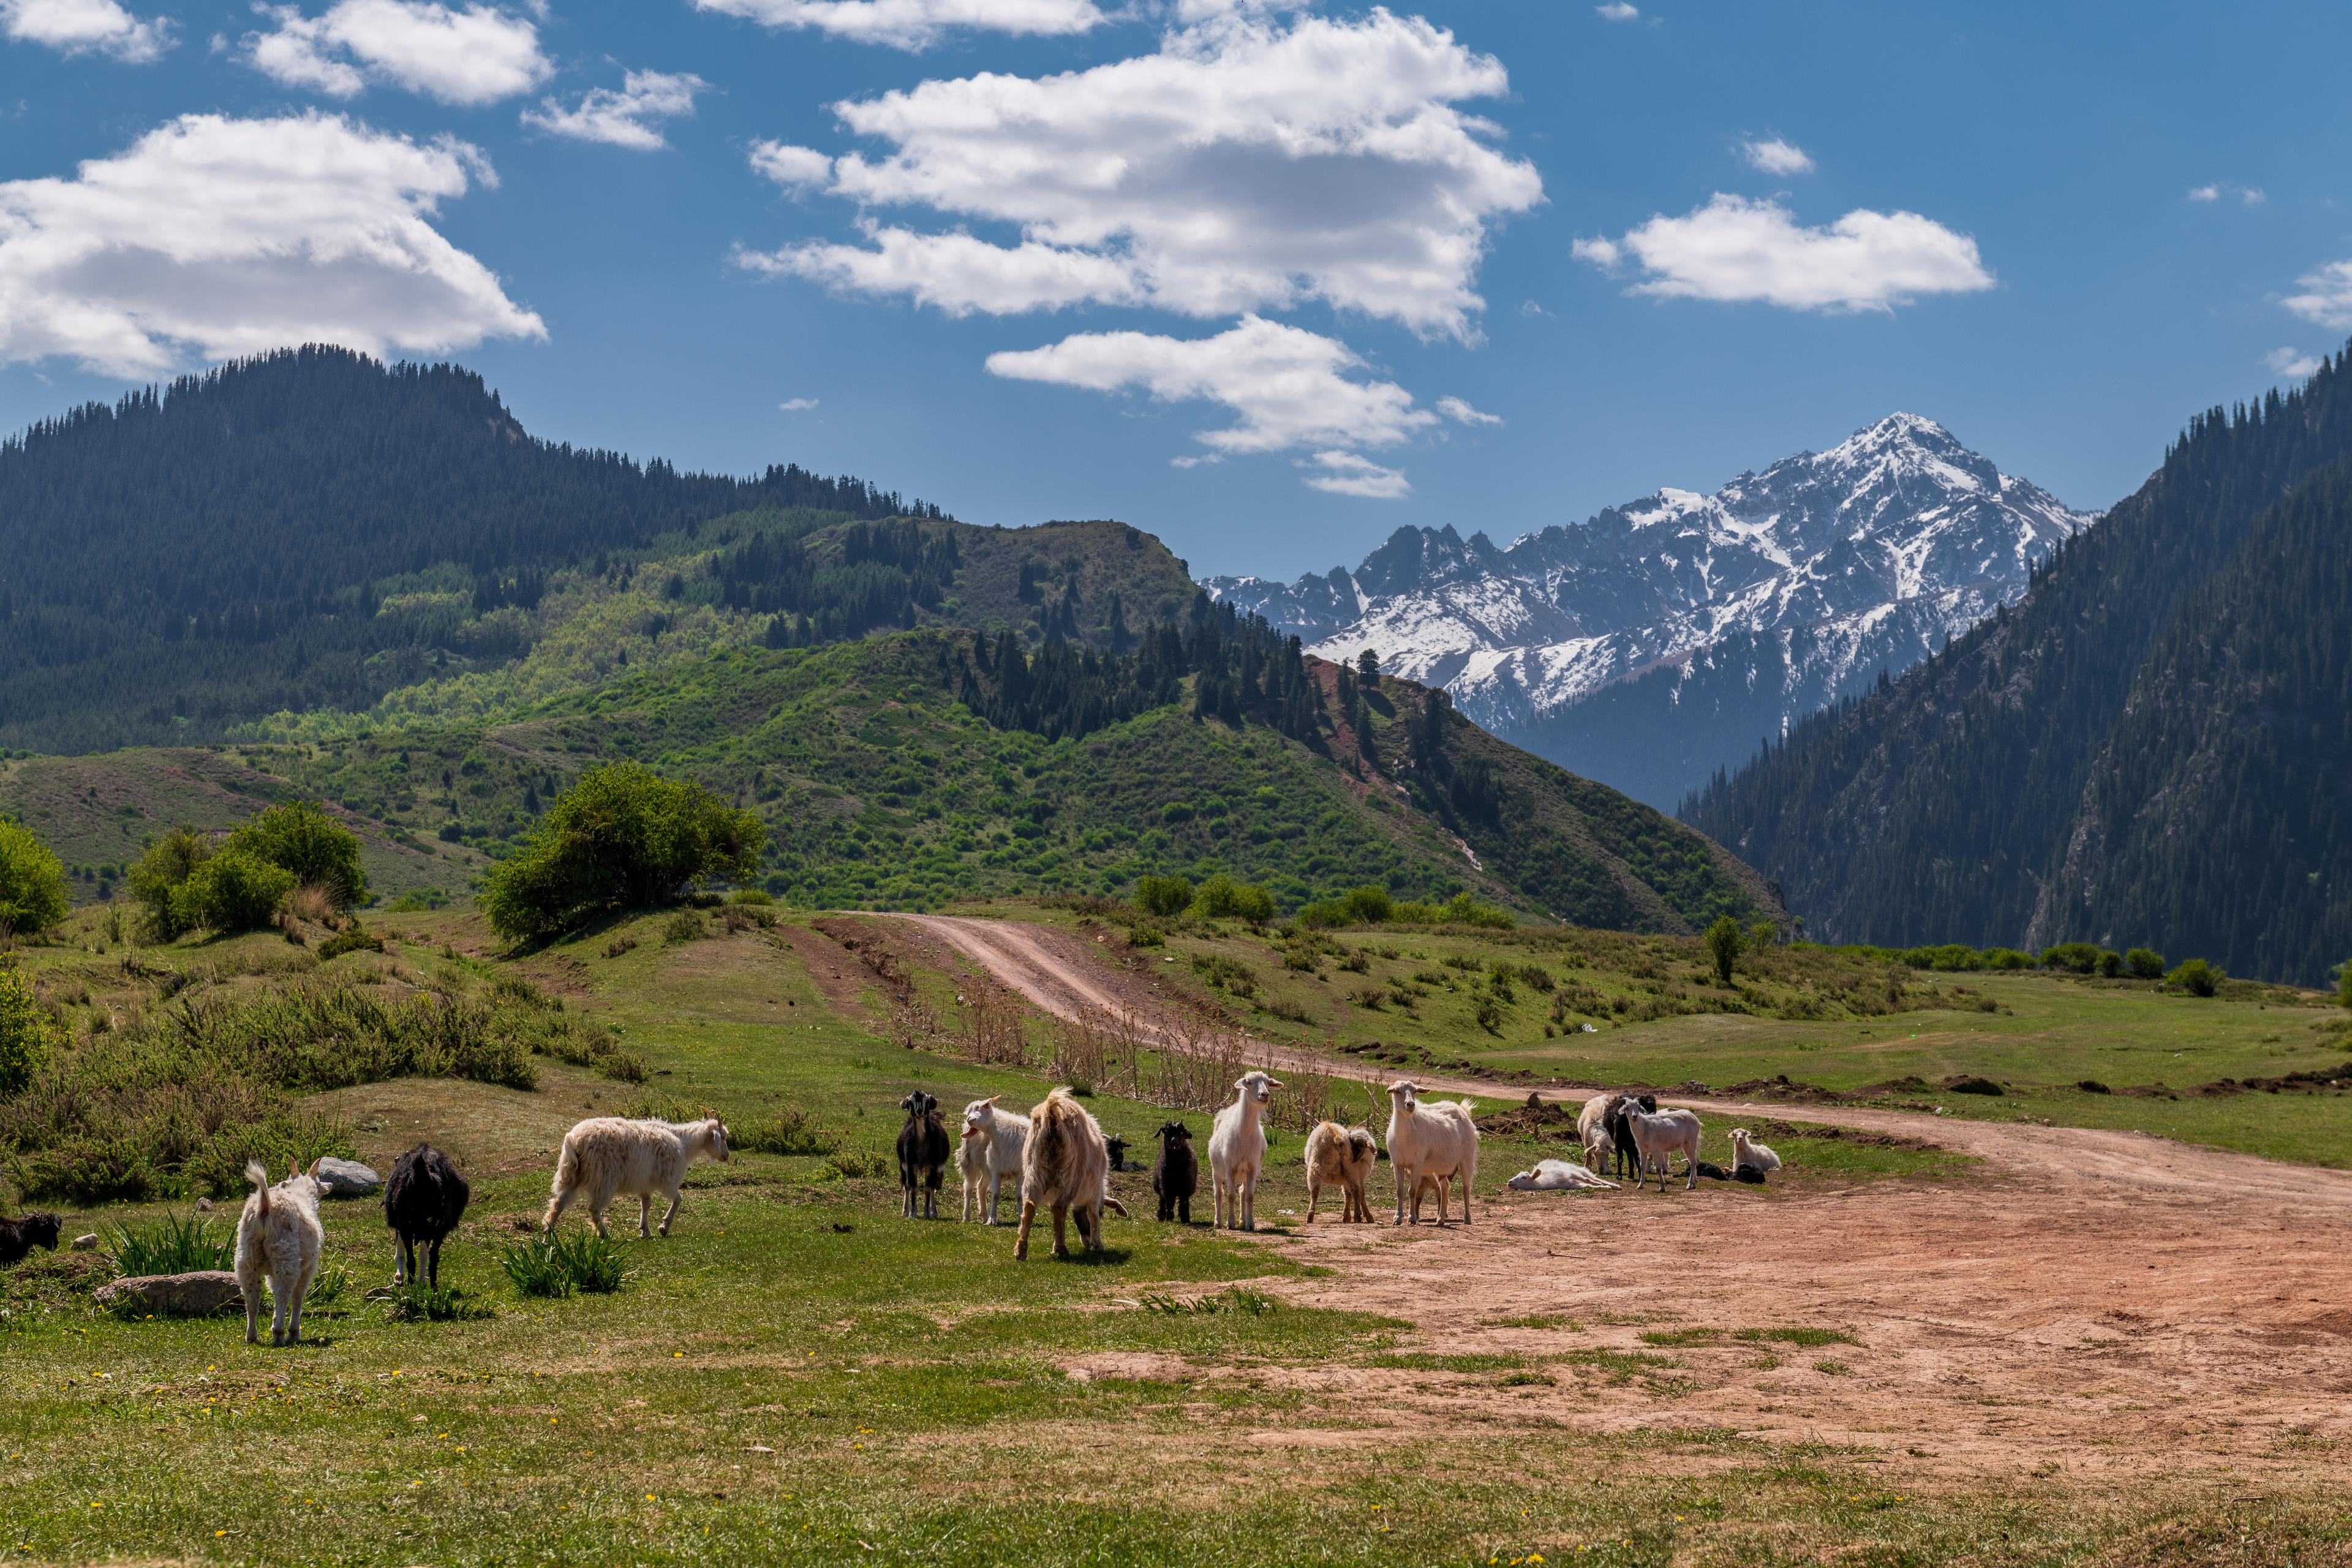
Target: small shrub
[(2197, 977), (623, 836), (2074, 957), (32, 894), (785, 1132), (1722, 940), (2093, 1085), (1487, 1015), (2141, 963), (855, 1165), (684, 927), (1222, 898), (737, 919), (1166, 897), (1367, 905), (233, 891), (758, 896), (27, 1038), (1356, 964), (172, 1243), (619, 945), (329, 1288), (564, 1263), (416, 1303), (359, 938), (2111, 964), (1236, 1300)]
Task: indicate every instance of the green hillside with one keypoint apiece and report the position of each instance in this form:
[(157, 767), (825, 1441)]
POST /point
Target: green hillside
[(882, 787)]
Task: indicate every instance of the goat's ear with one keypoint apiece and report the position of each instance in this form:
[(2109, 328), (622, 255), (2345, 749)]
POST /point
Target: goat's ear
[(991, 1099), (1274, 1083)]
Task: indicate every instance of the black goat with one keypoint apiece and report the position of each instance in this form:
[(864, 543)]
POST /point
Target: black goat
[(922, 1153), (1118, 1147), (423, 1203), (1623, 1154), (1176, 1174), (19, 1236)]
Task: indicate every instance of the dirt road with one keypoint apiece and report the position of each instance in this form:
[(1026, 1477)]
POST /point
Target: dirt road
[(2104, 1304)]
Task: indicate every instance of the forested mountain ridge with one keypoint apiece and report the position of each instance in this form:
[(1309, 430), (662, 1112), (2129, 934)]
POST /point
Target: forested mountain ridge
[(311, 530), (903, 771), (2150, 747)]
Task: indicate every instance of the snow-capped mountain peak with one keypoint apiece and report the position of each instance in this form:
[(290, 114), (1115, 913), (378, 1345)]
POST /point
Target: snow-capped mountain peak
[(1863, 555)]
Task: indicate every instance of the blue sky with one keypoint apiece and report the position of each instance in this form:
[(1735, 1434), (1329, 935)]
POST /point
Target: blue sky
[(1268, 281)]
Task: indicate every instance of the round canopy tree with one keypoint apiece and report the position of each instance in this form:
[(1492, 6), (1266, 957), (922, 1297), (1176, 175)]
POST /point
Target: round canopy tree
[(32, 882), (622, 837)]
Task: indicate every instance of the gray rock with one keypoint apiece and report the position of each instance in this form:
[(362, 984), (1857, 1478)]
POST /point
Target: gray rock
[(347, 1178), (183, 1295), (86, 1242), (204, 1206)]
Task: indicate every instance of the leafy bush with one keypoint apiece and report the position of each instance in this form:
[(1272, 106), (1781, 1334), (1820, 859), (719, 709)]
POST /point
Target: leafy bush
[(684, 927), (1367, 905), (1164, 896), (760, 896), (232, 890), (33, 896), (564, 1263), (27, 1038), (358, 939), (785, 1132), (170, 858), (2074, 957), (301, 839), (1222, 898), (1723, 942), (2142, 965), (1143, 934), (172, 1243), (2111, 963), (2197, 978), (622, 837)]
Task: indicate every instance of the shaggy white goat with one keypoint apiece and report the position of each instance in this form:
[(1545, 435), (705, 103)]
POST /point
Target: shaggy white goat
[(1064, 1165), (278, 1236), (1341, 1157), (1658, 1136), (1237, 1152), (1745, 1150), (1593, 1127), (609, 1157), (989, 1155), (1557, 1176), (1429, 1141)]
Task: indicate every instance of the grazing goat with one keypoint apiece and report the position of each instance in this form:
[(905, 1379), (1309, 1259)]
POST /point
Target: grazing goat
[(609, 1157), (1066, 1166), (1621, 1136), (922, 1153), (1658, 1137), (1341, 1157), (990, 1155), (423, 1202), (1593, 1127), (1429, 1142), (1237, 1152), (1745, 1150), (1176, 1174), (278, 1238), (1557, 1176), (19, 1236)]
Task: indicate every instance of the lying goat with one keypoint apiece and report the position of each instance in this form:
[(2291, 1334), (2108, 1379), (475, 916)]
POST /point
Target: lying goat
[(1559, 1177)]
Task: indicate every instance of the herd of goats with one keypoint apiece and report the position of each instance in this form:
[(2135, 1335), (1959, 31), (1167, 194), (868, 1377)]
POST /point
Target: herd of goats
[(1058, 1155)]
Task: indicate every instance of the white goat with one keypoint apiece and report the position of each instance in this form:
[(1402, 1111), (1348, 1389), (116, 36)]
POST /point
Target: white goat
[(1429, 1143), (1557, 1176), (1066, 1166), (989, 1155), (1658, 1136), (1745, 1150), (609, 1157), (277, 1238), (1593, 1127), (1237, 1152), (1341, 1157)]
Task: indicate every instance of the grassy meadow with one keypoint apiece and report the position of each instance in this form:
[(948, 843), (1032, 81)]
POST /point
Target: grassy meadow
[(797, 1375)]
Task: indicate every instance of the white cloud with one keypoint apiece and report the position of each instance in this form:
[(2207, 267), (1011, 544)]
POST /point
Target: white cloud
[(797, 404), (1244, 165), (2253, 197), (472, 57), (2326, 298), (1775, 156), (2205, 193), (1737, 249), (1287, 385), (1461, 412), (2248, 195), (85, 26), (1347, 474), (623, 118), (913, 24), (2291, 363), (1618, 11), (229, 236), (795, 168)]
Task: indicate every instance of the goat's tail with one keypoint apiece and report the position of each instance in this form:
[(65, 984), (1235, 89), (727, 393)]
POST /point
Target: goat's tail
[(260, 1180), (567, 1177)]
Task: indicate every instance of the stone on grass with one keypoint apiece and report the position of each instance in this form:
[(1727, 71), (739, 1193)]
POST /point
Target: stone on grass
[(347, 1178), (86, 1242), (178, 1295)]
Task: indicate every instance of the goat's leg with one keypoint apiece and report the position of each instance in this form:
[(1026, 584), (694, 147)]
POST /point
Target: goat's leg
[(677, 1196), (557, 1204), (1314, 1196), (1245, 1199), (399, 1259), (433, 1264), (1061, 1236), (252, 1289), (301, 1294), (598, 1215), (1028, 1212), (1184, 1211)]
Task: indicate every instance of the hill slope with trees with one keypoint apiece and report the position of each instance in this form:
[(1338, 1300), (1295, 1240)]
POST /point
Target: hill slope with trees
[(2150, 748)]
